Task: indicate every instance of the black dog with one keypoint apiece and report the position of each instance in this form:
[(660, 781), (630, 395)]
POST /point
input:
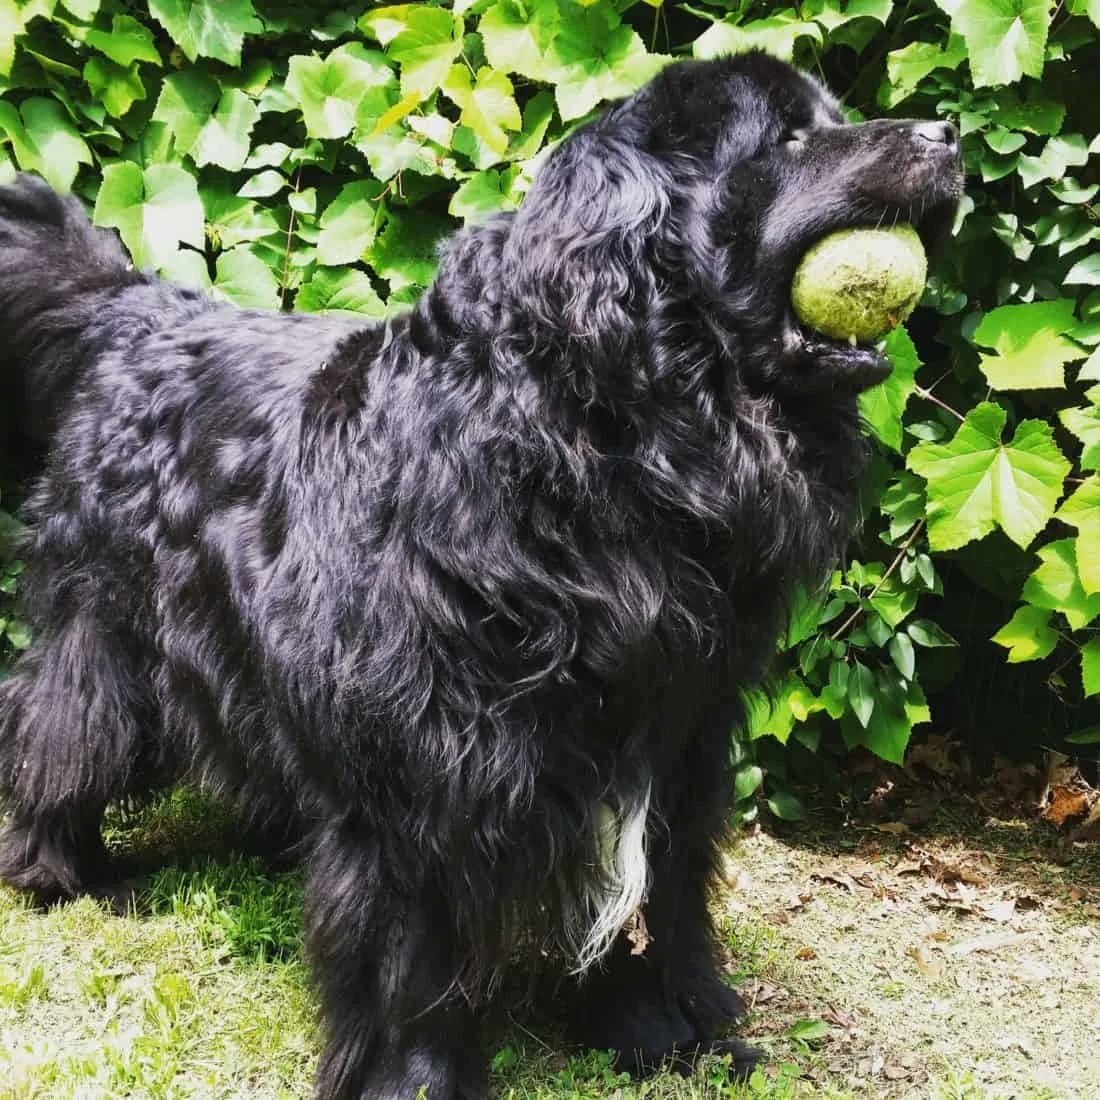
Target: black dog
[(470, 599)]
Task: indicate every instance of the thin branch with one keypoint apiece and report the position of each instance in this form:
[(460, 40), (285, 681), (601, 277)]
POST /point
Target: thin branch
[(842, 629), (289, 241), (928, 395)]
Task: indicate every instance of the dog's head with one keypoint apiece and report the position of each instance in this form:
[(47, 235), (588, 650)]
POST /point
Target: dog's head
[(692, 202)]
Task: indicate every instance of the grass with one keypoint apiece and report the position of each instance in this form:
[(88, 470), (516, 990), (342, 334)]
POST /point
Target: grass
[(857, 990)]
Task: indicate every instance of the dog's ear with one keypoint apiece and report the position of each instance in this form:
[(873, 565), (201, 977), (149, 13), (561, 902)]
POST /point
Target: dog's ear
[(580, 254)]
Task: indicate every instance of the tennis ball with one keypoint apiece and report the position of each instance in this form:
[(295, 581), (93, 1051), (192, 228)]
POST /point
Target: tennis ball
[(860, 283)]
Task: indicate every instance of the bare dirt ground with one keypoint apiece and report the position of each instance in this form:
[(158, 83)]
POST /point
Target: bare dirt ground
[(941, 967)]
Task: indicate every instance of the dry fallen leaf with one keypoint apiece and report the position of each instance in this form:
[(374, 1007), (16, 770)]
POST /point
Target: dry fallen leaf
[(1066, 802), (805, 953), (990, 943), (927, 963)]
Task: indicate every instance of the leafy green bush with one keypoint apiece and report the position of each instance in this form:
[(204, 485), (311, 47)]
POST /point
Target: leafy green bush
[(307, 156)]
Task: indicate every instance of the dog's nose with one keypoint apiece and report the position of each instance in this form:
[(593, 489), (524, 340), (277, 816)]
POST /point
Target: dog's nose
[(942, 133)]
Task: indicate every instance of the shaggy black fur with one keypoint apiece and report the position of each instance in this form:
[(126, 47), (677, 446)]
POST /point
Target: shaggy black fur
[(443, 593)]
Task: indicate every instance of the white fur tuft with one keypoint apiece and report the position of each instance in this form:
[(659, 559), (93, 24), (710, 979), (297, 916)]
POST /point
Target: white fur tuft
[(625, 874)]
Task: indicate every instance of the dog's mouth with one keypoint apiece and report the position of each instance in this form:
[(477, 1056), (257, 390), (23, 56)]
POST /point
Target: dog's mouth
[(824, 365)]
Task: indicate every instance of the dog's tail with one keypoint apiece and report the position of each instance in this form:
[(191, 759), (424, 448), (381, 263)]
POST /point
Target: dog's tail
[(56, 270)]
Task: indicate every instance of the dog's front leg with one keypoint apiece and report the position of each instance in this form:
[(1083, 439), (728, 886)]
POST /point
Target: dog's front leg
[(386, 963)]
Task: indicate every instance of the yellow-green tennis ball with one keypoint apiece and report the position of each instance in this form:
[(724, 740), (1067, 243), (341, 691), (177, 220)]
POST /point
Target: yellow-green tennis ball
[(860, 283)]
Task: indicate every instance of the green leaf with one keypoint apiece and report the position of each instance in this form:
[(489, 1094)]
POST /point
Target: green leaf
[(11, 26), (1082, 510), (1057, 586), (44, 140), (777, 35), (154, 210), (396, 150), (861, 692), (1028, 635), (263, 185), (185, 104), (786, 806), (425, 41), (808, 1030), (1005, 39), (340, 292), (118, 89), (1059, 153), (488, 105), (18, 633), (1085, 424), (126, 42), (976, 482), (516, 40), (1086, 271), (903, 655), (333, 91), (882, 405), (595, 58), (406, 251), (1031, 345), (243, 279), (207, 28), (349, 223), (224, 139), (1090, 667), (747, 781), (907, 67), (479, 196)]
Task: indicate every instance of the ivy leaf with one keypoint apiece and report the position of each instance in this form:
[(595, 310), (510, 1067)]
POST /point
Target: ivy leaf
[(396, 150), (1031, 345), (45, 141), (516, 40), (1005, 39), (907, 67), (1057, 586), (346, 291), (1028, 635), (488, 105), (243, 279), (349, 223), (747, 781), (882, 406), (926, 633), (1082, 510), (207, 28), (903, 655), (1090, 667), (12, 24), (861, 692), (776, 34), (977, 482), (224, 139), (425, 41), (479, 196), (118, 89), (331, 91), (126, 42), (1086, 271), (595, 58), (154, 210), (185, 104), (406, 251), (1060, 153), (1085, 424)]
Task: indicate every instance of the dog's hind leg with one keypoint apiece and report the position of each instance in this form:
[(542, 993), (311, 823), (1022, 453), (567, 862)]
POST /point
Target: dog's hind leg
[(386, 963), (73, 718)]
